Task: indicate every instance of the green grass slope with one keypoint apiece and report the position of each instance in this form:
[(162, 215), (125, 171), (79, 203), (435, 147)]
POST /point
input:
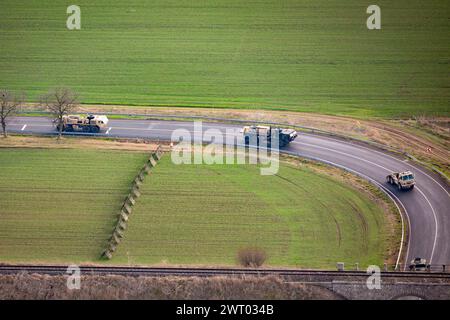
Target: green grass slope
[(60, 205), (203, 214), (314, 55)]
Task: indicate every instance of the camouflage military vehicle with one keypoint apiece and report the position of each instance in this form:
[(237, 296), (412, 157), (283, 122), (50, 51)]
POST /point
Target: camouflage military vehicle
[(418, 264), (403, 180), (263, 136), (90, 123)]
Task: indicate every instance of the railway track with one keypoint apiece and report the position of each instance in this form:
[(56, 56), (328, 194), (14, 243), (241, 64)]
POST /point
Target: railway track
[(208, 272)]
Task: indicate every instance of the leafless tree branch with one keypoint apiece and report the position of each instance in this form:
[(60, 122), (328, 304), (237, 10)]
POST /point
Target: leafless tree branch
[(60, 102), (9, 105)]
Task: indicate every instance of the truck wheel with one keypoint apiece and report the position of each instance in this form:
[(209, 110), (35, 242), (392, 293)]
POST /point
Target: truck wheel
[(412, 187), (95, 129)]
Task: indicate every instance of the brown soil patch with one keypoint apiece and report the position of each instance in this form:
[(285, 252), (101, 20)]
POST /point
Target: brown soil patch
[(428, 139), (76, 143)]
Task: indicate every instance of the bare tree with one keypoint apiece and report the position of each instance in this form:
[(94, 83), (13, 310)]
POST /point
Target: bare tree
[(9, 106), (60, 102)]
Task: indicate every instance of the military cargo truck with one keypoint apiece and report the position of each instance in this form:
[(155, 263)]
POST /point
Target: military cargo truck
[(263, 136), (90, 123)]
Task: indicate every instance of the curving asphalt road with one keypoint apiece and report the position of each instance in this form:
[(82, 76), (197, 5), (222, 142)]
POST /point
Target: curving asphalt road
[(427, 206)]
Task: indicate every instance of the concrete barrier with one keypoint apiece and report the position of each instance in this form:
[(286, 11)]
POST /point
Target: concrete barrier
[(137, 182), (130, 201), (108, 254), (124, 216), (152, 162), (127, 208), (119, 232), (135, 192)]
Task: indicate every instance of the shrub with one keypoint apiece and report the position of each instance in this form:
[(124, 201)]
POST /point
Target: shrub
[(252, 257)]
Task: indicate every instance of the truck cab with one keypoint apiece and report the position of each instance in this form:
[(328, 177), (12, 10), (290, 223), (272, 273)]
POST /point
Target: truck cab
[(403, 180)]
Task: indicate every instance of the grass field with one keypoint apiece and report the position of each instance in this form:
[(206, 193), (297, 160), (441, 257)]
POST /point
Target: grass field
[(60, 205), (315, 55), (203, 214)]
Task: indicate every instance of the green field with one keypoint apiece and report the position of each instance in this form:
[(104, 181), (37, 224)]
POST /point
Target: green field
[(315, 55), (61, 205), (203, 214)]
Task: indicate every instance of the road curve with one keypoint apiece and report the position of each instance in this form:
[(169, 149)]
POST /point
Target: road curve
[(426, 206)]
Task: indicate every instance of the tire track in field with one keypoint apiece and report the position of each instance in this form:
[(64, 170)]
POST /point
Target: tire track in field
[(338, 229)]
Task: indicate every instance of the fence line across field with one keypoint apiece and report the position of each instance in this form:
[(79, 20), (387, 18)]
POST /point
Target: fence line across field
[(130, 201)]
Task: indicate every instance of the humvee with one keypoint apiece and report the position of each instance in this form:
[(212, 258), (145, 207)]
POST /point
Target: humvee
[(418, 264), (403, 180)]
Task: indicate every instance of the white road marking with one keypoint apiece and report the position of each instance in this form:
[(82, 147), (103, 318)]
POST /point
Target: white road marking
[(383, 154), (346, 154), (107, 131), (435, 223), (389, 170), (23, 128), (391, 196)]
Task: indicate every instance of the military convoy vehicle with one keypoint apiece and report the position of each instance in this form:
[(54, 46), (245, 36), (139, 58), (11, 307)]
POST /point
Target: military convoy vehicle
[(263, 135), (90, 123), (403, 180), (419, 264)]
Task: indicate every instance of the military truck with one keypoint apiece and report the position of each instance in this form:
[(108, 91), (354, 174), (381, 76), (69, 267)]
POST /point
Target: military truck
[(263, 135), (403, 180), (89, 123), (418, 264)]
